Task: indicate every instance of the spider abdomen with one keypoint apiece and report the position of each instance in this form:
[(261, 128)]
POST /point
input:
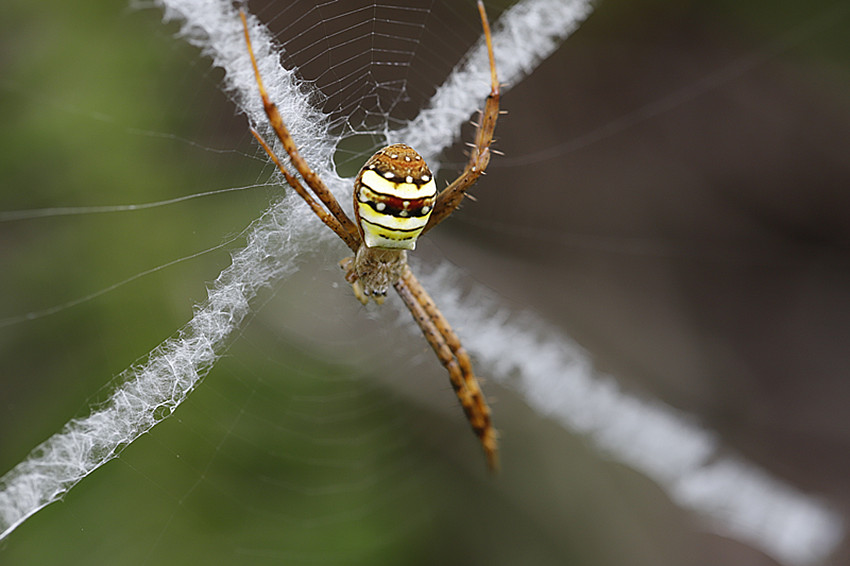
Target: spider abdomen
[(394, 195)]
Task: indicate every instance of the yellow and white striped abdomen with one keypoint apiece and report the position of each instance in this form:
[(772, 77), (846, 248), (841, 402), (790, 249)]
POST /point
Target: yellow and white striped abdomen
[(394, 194)]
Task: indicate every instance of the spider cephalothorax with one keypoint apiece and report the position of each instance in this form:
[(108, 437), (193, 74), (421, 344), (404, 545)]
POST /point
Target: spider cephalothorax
[(396, 200)]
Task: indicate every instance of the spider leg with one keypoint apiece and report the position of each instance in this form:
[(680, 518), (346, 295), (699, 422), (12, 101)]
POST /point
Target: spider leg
[(450, 197), (454, 358), (347, 265), (343, 225), (329, 220)]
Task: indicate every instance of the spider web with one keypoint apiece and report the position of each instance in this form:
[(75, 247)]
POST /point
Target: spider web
[(304, 433), (361, 56)]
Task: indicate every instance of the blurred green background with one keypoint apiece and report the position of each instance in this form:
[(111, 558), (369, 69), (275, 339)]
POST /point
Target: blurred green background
[(683, 210)]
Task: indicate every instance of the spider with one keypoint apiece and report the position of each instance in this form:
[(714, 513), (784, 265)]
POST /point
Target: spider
[(396, 201)]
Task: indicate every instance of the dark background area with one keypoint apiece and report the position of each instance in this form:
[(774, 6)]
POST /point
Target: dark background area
[(674, 196)]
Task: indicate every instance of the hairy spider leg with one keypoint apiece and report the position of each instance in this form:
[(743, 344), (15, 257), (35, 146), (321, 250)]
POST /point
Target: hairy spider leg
[(329, 220), (451, 197), (454, 358), (344, 227)]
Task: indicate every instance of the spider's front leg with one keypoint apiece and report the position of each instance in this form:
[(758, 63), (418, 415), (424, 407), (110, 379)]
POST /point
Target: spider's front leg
[(454, 358), (347, 266)]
